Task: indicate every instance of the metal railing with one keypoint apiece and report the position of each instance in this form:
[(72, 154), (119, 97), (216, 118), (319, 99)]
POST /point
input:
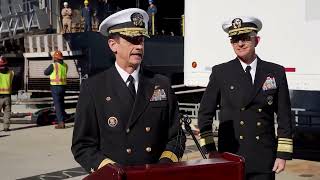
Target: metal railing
[(192, 109), (301, 116), (307, 119), (21, 17), (169, 26)]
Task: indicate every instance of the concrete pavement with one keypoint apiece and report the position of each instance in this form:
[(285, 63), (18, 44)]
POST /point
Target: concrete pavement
[(29, 152)]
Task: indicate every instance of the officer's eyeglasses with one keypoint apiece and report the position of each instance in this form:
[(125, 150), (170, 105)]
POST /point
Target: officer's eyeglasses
[(243, 39)]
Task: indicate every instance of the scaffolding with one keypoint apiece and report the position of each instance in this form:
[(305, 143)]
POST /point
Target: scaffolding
[(22, 16)]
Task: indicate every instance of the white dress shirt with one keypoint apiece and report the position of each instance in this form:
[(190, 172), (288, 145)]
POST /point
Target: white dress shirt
[(124, 75), (253, 68)]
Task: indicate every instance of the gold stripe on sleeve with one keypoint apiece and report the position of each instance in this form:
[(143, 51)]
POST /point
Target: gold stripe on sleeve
[(170, 155)]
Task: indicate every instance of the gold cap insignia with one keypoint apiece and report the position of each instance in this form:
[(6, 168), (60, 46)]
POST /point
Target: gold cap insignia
[(137, 19), (237, 23)]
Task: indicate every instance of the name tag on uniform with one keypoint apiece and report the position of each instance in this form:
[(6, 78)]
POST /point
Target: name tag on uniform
[(269, 84), (158, 95)]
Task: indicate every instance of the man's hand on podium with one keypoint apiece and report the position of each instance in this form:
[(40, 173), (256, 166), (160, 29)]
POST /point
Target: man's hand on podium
[(214, 154), (106, 162)]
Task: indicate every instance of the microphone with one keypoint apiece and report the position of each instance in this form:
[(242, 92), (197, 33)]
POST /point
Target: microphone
[(187, 121)]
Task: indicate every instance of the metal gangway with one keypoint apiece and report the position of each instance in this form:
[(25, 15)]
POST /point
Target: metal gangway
[(19, 17)]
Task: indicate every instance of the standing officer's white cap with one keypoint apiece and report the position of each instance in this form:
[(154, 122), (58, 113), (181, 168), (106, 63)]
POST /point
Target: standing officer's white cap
[(65, 3), (129, 22), (241, 25)]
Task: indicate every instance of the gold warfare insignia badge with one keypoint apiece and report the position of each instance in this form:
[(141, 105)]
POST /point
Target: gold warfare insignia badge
[(112, 121), (237, 23), (137, 19), (270, 100)]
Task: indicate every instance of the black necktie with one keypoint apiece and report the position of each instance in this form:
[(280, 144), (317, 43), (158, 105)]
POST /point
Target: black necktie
[(131, 86), (248, 68)]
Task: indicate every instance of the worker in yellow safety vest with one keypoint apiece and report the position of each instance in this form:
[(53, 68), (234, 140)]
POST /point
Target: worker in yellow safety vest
[(6, 77), (58, 80)]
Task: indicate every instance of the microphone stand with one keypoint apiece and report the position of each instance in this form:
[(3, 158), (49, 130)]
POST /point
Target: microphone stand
[(187, 121)]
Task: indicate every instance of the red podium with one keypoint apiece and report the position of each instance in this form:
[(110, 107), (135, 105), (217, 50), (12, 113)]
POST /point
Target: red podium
[(227, 167)]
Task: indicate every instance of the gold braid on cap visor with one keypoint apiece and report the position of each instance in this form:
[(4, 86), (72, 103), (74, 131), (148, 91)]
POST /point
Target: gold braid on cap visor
[(241, 30), (131, 32)]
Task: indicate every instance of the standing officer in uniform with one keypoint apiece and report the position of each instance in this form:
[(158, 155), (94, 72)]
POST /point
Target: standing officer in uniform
[(66, 13), (86, 14), (248, 91), (6, 77), (126, 114), (58, 71)]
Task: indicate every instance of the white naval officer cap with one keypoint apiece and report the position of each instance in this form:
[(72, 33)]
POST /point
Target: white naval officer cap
[(129, 22), (65, 3), (241, 25)]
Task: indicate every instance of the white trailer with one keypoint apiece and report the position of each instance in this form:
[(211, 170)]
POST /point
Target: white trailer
[(289, 37)]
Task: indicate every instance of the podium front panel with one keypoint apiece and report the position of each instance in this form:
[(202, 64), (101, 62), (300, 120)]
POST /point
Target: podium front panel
[(228, 167)]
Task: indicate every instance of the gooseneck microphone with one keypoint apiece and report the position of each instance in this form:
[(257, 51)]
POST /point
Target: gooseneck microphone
[(187, 121)]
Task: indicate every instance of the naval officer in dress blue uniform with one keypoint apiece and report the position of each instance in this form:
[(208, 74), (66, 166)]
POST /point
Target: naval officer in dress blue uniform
[(248, 91), (126, 114)]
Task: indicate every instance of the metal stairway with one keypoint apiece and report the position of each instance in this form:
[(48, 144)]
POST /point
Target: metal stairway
[(19, 17)]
